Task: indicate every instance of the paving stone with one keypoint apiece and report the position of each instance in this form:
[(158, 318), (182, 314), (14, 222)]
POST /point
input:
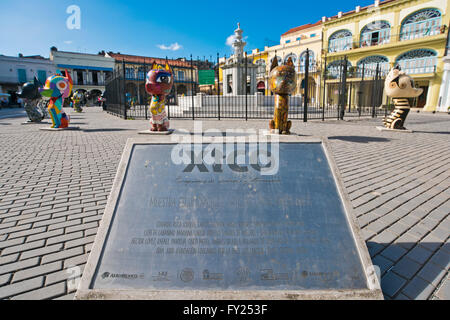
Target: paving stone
[(406, 267), (418, 289), (48, 292), (65, 237), (79, 242), (4, 279), (383, 263), (37, 271), (28, 232), (75, 261), (391, 283), (394, 252), (23, 247), (19, 287), (8, 259), (11, 243), (62, 254), (441, 258), (432, 273), (41, 251), (419, 254), (444, 290), (62, 275), (45, 235)]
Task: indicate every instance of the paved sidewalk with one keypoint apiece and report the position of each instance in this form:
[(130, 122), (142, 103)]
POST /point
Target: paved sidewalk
[(54, 187)]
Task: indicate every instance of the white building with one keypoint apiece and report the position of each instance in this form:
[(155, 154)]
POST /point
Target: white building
[(14, 71), (236, 67), (88, 71)]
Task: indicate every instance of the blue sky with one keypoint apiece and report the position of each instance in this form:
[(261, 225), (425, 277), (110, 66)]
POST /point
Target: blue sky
[(199, 28)]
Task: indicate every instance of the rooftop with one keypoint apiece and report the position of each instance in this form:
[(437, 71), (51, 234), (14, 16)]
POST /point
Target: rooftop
[(303, 27), (148, 60)]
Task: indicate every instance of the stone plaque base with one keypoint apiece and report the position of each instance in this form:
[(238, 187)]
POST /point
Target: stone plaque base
[(157, 133), (60, 129), (267, 219), (394, 130)]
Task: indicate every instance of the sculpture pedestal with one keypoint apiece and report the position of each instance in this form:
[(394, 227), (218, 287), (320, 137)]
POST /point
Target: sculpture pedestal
[(60, 129), (395, 130), (170, 131)]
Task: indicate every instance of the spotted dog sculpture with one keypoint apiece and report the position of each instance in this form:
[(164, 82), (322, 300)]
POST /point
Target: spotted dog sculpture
[(76, 99), (57, 88), (158, 84), (282, 82), (399, 87), (32, 97)]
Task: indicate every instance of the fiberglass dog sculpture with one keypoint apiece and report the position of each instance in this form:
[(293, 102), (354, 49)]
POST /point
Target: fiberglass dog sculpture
[(399, 87), (282, 82), (32, 97), (57, 88), (158, 83)]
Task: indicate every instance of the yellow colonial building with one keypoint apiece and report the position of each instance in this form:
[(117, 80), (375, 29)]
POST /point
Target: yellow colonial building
[(410, 33)]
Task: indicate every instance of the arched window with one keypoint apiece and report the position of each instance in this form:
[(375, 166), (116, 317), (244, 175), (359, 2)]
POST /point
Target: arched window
[(303, 60), (418, 61), (293, 56), (422, 23), (261, 71), (280, 61), (334, 69), (369, 65), (375, 33), (339, 41)]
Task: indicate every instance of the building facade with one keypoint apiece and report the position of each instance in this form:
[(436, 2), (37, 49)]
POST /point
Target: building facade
[(15, 71), (88, 71), (137, 67), (294, 44), (408, 33)]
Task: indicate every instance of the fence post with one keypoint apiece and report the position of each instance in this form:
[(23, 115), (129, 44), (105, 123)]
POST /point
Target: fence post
[(124, 90), (218, 86), (374, 92), (245, 87), (324, 87), (145, 92), (361, 90), (341, 106), (192, 88), (305, 95)]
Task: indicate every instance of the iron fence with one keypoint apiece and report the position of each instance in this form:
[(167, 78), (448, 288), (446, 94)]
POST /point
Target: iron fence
[(328, 90)]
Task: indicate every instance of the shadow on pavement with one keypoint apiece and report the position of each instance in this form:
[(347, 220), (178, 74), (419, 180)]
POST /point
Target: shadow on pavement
[(410, 270), (433, 132), (105, 130), (359, 139)]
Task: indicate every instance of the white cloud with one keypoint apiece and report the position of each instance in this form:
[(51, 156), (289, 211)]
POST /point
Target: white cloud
[(174, 46), (68, 42), (230, 40)]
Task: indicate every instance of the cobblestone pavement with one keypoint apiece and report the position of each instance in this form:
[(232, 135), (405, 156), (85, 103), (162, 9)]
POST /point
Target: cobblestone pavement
[(54, 187)]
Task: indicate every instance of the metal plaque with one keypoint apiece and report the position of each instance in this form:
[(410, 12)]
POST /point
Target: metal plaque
[(230, 226)]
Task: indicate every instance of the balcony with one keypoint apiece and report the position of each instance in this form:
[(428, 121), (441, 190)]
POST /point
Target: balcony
[(340, 44), (418, 65), (421, 29)]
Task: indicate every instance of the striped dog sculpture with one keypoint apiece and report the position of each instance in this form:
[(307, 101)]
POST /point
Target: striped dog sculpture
[(282, 82), (399, 87)]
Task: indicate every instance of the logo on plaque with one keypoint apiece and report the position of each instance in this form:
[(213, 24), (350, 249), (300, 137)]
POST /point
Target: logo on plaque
[(187, 275)]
